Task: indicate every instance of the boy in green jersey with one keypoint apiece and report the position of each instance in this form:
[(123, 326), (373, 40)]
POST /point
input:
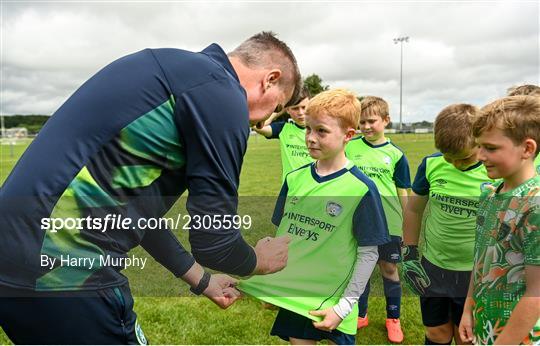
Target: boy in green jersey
[(334, 215), (291, 134), (503, 304), (449, 184), (388, 167)]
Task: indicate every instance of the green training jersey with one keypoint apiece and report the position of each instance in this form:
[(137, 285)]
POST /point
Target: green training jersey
[(388, 167), (507, 240), (327, 219), (451, 210), (292, 140)]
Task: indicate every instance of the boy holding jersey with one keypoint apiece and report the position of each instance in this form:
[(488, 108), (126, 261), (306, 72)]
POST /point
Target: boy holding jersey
[(334, 215)]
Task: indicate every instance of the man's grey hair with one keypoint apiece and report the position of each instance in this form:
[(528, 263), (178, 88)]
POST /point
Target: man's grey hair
[(265, 50)]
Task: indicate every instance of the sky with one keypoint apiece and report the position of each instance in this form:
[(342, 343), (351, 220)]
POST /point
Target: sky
[(458, 52)]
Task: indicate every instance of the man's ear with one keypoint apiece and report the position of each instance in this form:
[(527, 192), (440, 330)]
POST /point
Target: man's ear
[(529, 148), (272, 77)]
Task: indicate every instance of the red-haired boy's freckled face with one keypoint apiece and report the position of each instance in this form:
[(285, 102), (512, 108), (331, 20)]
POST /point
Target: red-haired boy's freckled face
[(325, 138), (501, 156), (372, 126), (298, 112)]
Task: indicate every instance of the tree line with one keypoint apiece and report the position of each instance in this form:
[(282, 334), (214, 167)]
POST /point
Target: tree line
[(34, 123)]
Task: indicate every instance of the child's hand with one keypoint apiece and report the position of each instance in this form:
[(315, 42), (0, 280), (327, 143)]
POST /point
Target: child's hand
[(465, 327), (330, 319), (415, 277)]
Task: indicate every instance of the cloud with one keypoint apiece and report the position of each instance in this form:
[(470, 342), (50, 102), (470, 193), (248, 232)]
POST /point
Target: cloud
[(458, 51)]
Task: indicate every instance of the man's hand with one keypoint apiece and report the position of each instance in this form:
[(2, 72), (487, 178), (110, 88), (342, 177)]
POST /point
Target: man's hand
[(414, 274), (272, 254), (330, 321), (466, 325), (221, 290)]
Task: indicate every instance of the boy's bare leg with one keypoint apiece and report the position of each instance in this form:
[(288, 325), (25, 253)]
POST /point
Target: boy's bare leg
[(441, 334), (389, 270), (295, 341), (457, 338)]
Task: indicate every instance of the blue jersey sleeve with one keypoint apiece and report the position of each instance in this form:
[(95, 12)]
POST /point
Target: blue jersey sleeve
[(276, 129), (160, 243), (167, 250), (421, 184), (402, 175), (369, 221), (280, 204), (215, 143)]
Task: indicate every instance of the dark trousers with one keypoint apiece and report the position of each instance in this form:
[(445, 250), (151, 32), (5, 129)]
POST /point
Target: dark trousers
[(103, 316)]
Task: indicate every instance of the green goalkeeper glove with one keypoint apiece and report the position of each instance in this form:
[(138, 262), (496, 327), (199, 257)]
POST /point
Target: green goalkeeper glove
[(416, 277)]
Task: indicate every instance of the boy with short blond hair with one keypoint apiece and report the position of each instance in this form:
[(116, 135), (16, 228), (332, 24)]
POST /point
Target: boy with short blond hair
[(291, 135), (334, 215), (384, 163), (503, 304), (448, 183), (526, 89), (530, 90)]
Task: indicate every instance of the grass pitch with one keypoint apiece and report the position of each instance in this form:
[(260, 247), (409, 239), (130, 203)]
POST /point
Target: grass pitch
[(168, 314)]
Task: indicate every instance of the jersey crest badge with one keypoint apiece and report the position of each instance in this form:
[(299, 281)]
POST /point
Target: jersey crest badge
[(387, 160), (333, 209)]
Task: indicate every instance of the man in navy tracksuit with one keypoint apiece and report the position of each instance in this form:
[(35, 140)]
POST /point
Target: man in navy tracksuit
[(129, 142)]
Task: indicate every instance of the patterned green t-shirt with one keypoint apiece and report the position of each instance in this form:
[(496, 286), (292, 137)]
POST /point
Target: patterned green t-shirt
[(388, 167), (292, 140), (507, 240)]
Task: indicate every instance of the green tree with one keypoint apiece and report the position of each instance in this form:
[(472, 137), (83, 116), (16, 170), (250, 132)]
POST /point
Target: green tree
[(33, 123), (315, 85), (422, 124)]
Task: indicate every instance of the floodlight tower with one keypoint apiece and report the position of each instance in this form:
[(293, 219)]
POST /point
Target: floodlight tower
[(400, 40)]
